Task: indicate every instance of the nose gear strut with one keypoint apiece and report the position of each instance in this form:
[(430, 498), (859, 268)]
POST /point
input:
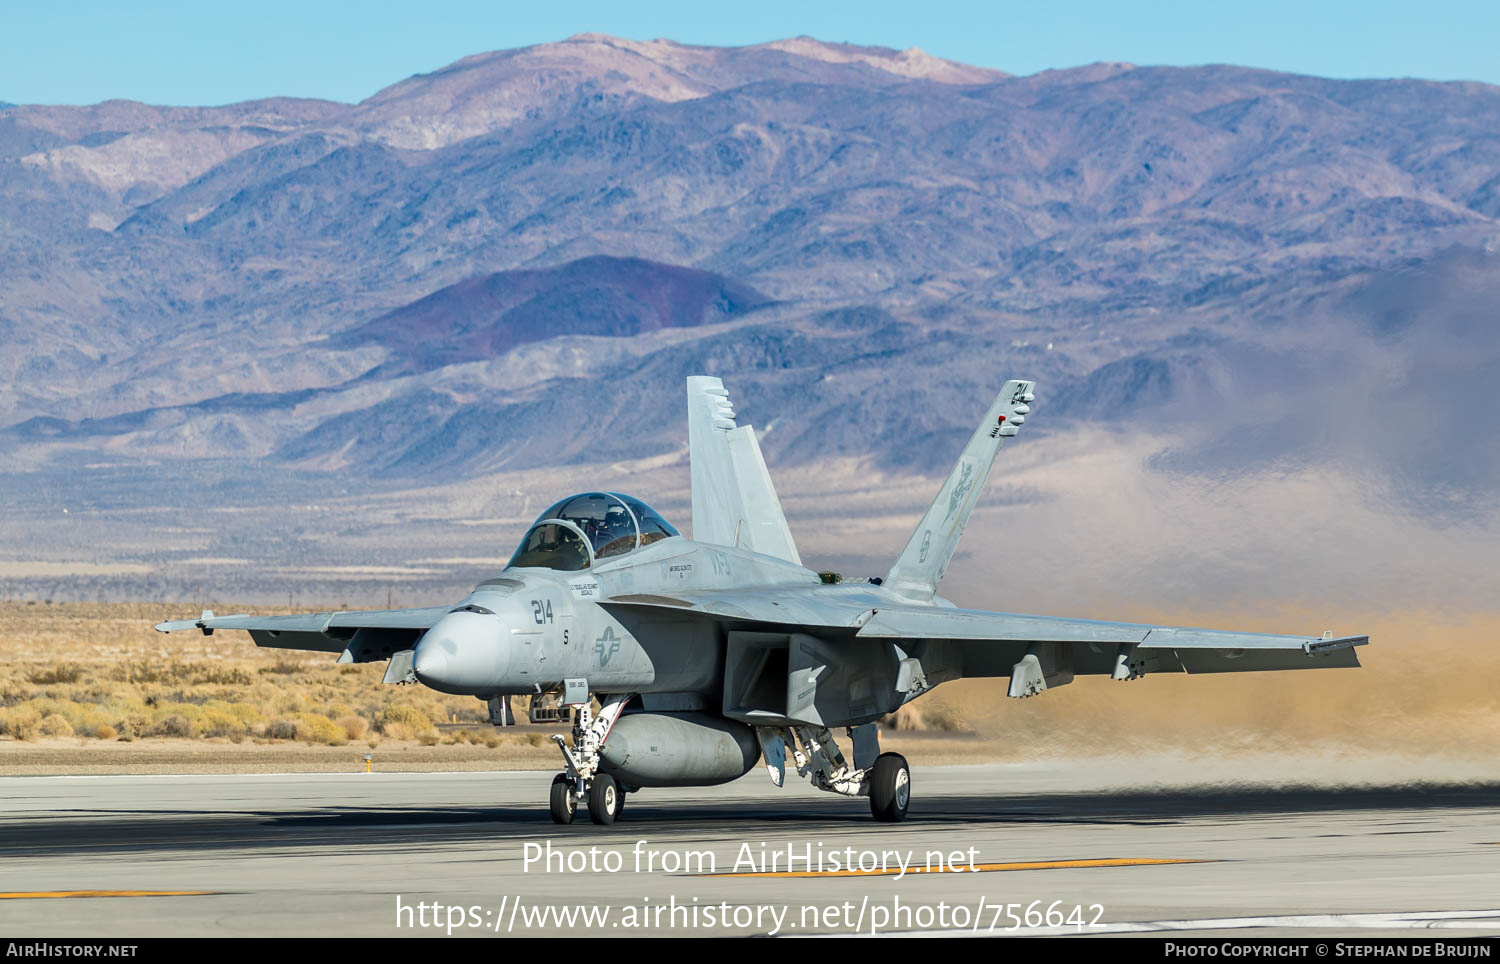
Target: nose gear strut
[(601, 793)]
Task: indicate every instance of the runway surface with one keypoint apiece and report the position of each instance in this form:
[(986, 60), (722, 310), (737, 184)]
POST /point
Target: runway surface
[(334, 855)]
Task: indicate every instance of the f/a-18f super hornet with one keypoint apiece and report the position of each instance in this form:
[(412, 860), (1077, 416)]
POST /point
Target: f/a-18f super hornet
[(709, 654)]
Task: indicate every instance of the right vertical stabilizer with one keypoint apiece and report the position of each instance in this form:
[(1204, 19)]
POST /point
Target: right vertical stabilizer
[(922, 563)]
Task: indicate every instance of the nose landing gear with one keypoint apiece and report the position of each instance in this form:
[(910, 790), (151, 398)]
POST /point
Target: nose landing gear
[(582, 784), (606, 799), (561, 801)]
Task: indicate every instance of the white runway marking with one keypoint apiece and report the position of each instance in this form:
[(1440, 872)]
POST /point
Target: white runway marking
[(1488, 920)]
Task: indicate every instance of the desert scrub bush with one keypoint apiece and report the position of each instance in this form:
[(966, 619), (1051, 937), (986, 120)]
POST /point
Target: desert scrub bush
[(82, 717), (281, 729), (105, 732), (221, 676), (55, 725), (172, 725), (356, 727), (96, 694), (399, 731), (284, 667), (139, 672), (190, 711), (246, 714), (412, 719), (52, 675), (220, 720), (20, 722), (290, 702), (312, 728), (143, 672), (151, 671)]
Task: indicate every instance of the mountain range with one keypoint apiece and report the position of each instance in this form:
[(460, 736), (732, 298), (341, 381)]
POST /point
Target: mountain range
[(513, 261)]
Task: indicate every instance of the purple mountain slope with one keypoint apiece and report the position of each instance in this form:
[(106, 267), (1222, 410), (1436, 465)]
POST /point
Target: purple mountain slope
[(488, 316)]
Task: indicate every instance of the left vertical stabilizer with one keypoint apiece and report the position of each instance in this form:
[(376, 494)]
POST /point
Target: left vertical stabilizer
[(734, 502)]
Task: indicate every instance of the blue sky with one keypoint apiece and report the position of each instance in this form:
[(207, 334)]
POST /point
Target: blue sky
[(206, 53)]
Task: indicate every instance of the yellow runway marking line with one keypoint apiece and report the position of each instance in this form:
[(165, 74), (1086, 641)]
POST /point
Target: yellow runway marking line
[(980, 868), (48, 894)]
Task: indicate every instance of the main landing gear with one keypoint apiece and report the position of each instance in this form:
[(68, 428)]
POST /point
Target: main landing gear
[(883, 777), (890, 788), (582, 785)]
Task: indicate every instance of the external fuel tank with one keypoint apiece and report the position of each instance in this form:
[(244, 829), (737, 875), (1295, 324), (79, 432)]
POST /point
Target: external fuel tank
[(678, 750)]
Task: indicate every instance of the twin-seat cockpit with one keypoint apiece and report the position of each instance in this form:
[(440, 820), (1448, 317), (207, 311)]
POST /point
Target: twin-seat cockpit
[(581, 529)]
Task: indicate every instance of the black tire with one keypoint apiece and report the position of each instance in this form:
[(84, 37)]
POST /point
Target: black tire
[(606, 799), (890, 788), (561, 801)]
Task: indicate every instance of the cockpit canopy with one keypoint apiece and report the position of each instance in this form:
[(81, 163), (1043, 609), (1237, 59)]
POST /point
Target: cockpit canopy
[(582, 528)]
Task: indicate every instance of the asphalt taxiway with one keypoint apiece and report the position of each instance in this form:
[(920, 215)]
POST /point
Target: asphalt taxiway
[(340, 854)]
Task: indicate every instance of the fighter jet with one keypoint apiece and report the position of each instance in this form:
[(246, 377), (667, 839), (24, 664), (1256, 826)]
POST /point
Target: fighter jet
[(710, 654)]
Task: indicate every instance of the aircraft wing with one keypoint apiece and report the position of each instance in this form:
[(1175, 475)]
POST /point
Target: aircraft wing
[(979, 625), (363, 635), (991, 644), (1090, 646)]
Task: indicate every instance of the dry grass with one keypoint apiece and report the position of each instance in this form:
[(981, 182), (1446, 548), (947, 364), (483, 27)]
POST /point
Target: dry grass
[(84, 673)]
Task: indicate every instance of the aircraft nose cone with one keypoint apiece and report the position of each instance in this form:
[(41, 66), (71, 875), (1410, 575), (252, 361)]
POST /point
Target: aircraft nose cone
[(430, 661), (463, 653)]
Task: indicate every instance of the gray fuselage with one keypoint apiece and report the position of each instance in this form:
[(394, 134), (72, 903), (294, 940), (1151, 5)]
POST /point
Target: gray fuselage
[(529, 629)]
